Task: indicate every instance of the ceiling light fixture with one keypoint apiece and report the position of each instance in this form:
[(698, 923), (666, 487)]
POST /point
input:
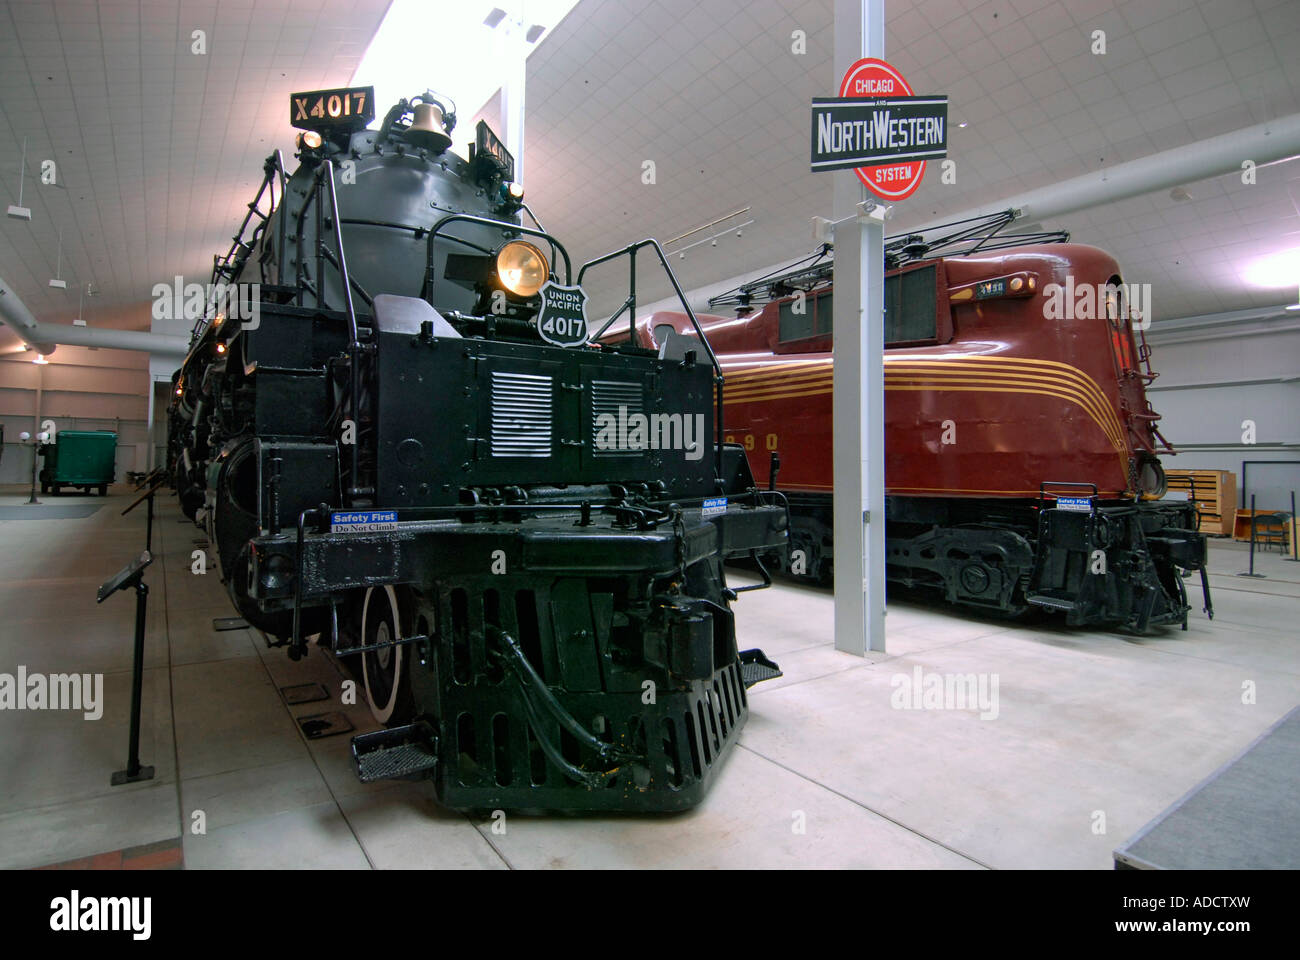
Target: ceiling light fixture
[(18, 211), (493, 20), (57, 282), (712, 239)]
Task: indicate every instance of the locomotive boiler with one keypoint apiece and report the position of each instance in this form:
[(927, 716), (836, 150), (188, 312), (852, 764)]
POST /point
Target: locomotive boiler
[(399, 439), (1022, 465)]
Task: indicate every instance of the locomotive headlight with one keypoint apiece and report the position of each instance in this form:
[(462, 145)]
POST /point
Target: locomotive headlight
[(310, 139), (522, 268)]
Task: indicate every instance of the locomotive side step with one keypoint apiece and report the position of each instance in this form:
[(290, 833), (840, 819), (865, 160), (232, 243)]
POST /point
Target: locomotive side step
[(755, 668), (1052, 603), (396, 753)]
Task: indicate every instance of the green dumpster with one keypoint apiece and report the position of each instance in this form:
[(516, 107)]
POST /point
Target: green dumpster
[(79, 458)]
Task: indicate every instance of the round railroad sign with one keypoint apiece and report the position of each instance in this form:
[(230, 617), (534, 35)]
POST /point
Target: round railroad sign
[(872, 77)]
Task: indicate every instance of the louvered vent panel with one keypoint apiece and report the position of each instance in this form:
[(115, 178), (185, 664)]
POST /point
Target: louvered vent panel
[(521, 414), (606, 397)]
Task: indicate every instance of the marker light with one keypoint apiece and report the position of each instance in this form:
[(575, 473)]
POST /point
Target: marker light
[(522, 268), (221, 348), (515, 190), (309, 139)]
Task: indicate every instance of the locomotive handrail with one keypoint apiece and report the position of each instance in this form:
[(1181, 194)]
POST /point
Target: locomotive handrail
[(630, 306), (1042, 487), (418, 229), (324, 177), (430, 274), (295, 643), (222, 267), (631, 250), (354, 348)]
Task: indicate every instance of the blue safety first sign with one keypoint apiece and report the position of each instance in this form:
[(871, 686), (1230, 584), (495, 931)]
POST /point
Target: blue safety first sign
[(1074, 504), (363, 521)]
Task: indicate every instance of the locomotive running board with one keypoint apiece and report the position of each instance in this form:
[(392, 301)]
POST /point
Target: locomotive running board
[(755, 668), (397, 753)]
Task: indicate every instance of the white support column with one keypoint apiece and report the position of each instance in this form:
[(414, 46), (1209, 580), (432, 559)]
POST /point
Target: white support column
[(148, 466), (512, 53), (859, 397), (512, 103)]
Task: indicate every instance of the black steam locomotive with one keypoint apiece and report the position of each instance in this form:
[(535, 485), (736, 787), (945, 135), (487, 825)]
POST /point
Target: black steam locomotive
[(399, 439)]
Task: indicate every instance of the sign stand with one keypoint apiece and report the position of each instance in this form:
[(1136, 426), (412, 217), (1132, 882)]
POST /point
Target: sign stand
[(131, 577)]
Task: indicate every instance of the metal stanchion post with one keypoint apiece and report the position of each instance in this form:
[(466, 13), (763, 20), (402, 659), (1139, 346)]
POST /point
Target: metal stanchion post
[(1290, 534), (1251, 572), (36, 446)]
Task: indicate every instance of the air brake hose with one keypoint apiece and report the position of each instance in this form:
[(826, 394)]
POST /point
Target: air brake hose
[(531, 685)]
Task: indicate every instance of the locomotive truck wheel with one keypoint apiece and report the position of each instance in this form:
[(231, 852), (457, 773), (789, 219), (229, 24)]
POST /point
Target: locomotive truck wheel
[(103, 489), (386, 672)]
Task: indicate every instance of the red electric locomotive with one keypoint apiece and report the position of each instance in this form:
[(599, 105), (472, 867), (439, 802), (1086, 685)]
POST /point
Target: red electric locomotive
[(1021, 451)]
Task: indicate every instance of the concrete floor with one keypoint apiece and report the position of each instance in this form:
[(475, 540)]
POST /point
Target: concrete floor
[(1096, 733)]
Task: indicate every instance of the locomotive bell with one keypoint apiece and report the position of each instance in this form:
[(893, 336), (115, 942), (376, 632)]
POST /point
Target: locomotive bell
[(426, 130)]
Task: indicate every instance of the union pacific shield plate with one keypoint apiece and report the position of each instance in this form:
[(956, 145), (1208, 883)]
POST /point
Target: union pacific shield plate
[(563, 317)]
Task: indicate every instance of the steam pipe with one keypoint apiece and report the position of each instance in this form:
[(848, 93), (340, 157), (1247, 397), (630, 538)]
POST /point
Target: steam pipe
[(15, 313), (44, 337), (156, 343), (1267, 142)]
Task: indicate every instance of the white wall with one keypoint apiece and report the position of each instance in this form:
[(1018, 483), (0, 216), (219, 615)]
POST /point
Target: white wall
[(80, 389), (1213, 378)]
